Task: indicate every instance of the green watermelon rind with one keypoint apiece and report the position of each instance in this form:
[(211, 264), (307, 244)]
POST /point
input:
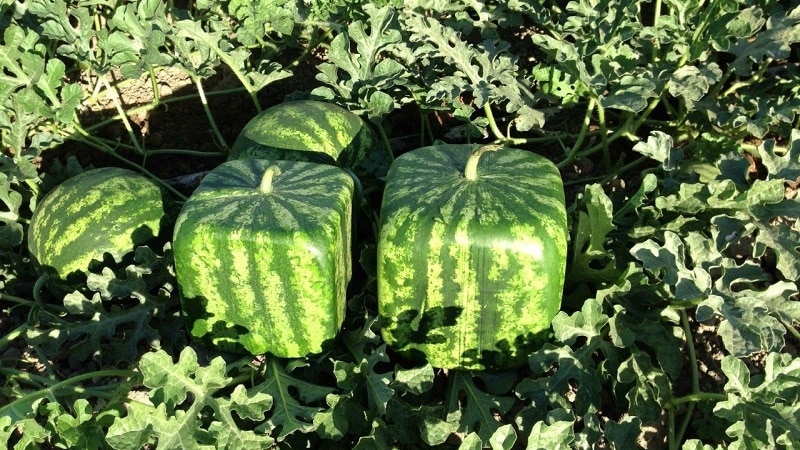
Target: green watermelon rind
[(101, 211), (470, 273), (263, 272), (306, 130)]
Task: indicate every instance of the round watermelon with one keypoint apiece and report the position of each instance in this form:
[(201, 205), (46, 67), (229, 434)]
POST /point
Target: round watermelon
[(101, 211), (310, 131)]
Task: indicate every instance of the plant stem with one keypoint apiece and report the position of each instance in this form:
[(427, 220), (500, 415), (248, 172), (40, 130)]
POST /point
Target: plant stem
[(656, 17), (385, 140), (163, 151), (231, 63), (471, 171), (37, 289), (676, 437), (755, 78), (26, 377), (66, 387), (624, 130), (650, 108), (114, 94), (17, 300), (587, 120), (546, 139), (710, 11), (601, 119), (220, 139), (312, 44), (487, 109), (584, 181), (166, 101), (91, 141), (154, 86), (617, 172), (11, 336), (791, 329), (687, 332), (266, 181), (183, 152), (37, 301), (698, 397)]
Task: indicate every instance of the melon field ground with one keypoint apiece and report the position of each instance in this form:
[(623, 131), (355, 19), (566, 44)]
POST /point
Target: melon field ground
[(675, 126)]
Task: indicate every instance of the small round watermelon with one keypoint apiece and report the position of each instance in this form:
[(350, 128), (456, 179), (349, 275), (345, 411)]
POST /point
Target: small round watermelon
[(106, 210), (307, 130)]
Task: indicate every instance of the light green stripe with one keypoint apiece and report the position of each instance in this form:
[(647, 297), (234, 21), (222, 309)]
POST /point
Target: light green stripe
[(526, 283), (279, 331), (244, 301), (203, 259), (465, 331), (313, 290), (89, 230), (434, 291)]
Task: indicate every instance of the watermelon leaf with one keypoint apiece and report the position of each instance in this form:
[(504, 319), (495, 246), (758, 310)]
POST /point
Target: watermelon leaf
[(366, 352), (139, 37), (214, 43), (659, 146), (75, 429), (295, 400), (479, 408), (503, 438), (782, 164), (333, 422), (179, 391), (588, 323), (765, 407), (558, 370), (11, 232), (258, 16), (415, 381), (364, 78), (774, 42), (669, 261), (350, 376), (557, 436), (624, 433), (592, 264), (134, 430), (106, 320)]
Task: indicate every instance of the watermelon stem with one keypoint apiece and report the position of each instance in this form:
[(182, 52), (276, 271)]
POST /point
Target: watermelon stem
[(114, 95), (492, 123), (84, 137), (384, 140), (37, 288), (471, 170), (198, 83), (266, 180)]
